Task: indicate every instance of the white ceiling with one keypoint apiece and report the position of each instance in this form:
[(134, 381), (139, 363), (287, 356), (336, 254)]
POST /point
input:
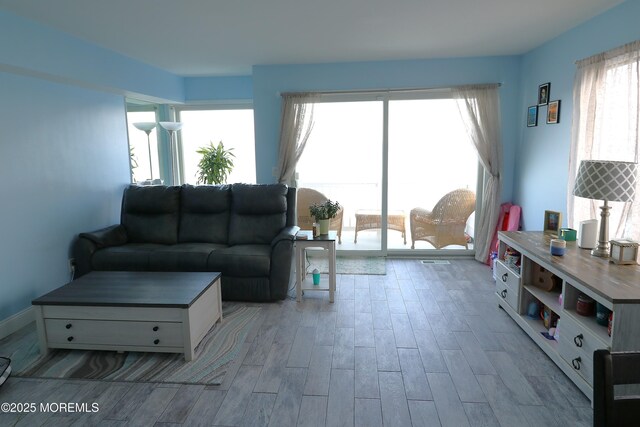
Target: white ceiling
[(227, 37)]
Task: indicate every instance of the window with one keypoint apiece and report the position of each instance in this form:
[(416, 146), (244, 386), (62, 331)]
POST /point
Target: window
[(141, 147), (606, 127), (232, 126)]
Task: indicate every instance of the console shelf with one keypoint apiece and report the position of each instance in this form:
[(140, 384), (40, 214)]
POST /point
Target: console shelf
[(616, 287)]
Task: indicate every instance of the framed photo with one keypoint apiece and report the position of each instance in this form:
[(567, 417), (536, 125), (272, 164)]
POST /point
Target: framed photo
[(552, 223), (543, 93), (553, 112), (532, 116)]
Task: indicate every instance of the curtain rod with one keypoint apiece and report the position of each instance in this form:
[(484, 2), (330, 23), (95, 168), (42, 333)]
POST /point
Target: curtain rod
[(608, 54), (372, 91)]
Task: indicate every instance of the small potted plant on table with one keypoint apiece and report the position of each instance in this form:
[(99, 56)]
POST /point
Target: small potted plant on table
[(323, 213)]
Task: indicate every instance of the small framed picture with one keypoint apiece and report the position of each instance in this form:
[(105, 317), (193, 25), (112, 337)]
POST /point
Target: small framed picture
[(553, 112), (532, 116), (543, 93), (552, 223)]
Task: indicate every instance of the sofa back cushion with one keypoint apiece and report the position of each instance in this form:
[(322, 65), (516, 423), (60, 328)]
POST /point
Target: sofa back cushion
[(150, 214), (204, 214), (258, 213)]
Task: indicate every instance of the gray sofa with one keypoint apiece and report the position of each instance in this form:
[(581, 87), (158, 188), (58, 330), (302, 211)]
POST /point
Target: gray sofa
[(244, 231)]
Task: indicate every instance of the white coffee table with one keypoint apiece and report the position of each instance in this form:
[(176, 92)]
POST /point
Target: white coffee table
[(168, 312)]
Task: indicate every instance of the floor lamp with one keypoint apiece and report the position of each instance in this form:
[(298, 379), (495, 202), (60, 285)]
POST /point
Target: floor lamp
[(172, 128), (147, 127), (609, 181)]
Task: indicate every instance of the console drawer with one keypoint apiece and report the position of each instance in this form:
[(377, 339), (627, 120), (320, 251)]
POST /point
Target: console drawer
[(125, 333), (579, 337), (506, 276), (576, 357), (507, 285)]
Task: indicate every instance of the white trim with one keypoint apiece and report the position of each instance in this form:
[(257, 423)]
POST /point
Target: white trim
[(16, 322)]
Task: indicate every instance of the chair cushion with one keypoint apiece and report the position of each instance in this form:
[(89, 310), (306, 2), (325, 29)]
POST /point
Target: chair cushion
[(258, 213), (150, 214), (241, 261), (204, 214)]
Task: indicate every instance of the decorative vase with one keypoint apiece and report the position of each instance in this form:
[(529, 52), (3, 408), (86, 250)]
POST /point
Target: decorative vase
[(324, 226)]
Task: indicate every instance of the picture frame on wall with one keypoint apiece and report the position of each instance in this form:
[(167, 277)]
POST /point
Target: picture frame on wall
[(552, 223), (532, 116), (544, 91), (553, 112)]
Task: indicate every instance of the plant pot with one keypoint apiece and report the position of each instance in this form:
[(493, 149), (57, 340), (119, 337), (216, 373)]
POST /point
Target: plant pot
[(324, 226)]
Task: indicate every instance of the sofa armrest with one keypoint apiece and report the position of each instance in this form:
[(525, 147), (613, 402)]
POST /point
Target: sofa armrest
[(114, 235), (287, 233), (86, 244), (282, 262)]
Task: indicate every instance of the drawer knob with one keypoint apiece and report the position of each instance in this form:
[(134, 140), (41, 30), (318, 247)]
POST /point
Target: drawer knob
[(576, 363), (577, 340), (155, 329), (156, 341), (503, 294), (70, 339), (505, 276), (68, 326)]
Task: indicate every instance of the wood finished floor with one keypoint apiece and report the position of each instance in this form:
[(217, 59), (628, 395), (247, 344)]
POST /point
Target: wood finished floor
[(425, 345)]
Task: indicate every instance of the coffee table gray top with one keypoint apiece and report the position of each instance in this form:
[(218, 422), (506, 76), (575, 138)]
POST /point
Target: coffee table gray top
[(132, 289)]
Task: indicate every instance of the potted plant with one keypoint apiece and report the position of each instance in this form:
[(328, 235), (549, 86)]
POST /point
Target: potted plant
[(215, 165), (323, 213)]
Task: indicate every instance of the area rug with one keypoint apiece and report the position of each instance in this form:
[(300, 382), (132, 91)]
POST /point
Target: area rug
[(348, 265), (212, 360)]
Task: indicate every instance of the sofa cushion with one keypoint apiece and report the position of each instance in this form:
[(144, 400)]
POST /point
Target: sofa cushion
[(182, 257), (150, 214), (241, 261), (204, 213), (258, 213), (129, 257)]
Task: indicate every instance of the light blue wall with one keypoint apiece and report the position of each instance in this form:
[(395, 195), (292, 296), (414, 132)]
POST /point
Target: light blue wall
[(63, 165), (64, 157), (270, 81), (543, 153), (202, 89), (27, 47)]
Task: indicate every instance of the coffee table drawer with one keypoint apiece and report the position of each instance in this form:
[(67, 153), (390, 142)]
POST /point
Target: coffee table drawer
[(123, 333)]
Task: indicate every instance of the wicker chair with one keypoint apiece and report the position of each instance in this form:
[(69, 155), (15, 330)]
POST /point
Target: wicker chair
[(445, 224), (308, 197)]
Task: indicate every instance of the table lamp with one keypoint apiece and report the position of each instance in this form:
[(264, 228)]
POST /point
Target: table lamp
[(609, 181)]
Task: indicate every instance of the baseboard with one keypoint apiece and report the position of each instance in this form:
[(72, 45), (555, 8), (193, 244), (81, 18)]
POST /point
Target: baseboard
[(16, 322)]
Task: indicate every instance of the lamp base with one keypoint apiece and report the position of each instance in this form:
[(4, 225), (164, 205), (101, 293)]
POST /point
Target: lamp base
[(601, 251)]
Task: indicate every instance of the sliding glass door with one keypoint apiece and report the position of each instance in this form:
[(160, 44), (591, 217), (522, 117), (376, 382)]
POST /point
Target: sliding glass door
[(433, 170), (343, 161), (402, 166)]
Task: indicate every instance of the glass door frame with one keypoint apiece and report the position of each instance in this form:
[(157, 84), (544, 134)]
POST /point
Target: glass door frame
[(385, 97)]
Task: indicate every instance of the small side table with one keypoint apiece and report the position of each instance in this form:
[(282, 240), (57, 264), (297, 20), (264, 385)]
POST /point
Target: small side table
[(371, 220), (327, 282)]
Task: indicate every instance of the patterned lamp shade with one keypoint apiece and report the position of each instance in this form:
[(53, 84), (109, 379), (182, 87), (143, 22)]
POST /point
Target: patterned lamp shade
[(606, 180)]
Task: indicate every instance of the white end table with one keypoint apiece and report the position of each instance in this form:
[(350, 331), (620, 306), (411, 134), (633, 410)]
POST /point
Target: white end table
[(327, 281)]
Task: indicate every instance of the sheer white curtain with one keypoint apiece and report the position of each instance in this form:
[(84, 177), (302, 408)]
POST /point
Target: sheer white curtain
[(479, 107), (295, 128), (606, 98)]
